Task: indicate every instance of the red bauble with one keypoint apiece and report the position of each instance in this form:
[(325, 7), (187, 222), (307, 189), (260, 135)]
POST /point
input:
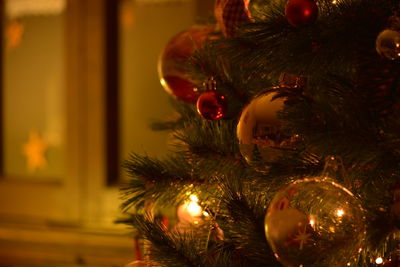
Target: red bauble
[(212, 105), (301, 12), (173, 62)]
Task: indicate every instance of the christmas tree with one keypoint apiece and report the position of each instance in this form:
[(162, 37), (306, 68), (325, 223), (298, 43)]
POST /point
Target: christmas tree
[(287, 144)]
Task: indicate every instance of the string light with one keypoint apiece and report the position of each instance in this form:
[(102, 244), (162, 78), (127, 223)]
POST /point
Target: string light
[(339, 212), (193, 207), (379, 260)]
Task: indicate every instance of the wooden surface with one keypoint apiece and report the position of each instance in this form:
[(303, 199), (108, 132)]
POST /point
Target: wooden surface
[(29, 246)]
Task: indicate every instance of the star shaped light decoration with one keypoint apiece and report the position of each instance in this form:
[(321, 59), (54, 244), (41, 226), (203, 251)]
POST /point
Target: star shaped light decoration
[(35, 150), (14, 34)]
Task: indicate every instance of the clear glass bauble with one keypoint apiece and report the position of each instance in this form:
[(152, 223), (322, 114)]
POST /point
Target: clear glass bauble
[(388, 44), (315, 222)]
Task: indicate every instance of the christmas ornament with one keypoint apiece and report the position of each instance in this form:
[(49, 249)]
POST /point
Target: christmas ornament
[(261, 140), (212, 105), (229, 14), (173, 62), (301, 12), (388, 44), (314, 222)]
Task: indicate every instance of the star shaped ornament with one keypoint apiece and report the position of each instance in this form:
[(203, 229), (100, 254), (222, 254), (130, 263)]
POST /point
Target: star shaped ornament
[(35, 150), (301, 238)]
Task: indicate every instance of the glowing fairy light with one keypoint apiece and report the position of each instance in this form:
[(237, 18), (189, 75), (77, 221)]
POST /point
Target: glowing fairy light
[(194, 209), (379, 260), (194, 198), (340, 212)]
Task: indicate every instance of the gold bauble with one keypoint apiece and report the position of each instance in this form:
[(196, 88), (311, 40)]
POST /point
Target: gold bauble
[(259, 132)]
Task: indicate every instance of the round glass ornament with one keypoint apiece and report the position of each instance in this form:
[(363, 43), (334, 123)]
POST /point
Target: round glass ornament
[(259, 132), (315, 222)]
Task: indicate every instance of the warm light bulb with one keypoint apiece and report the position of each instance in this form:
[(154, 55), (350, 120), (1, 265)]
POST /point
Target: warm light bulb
[(379, 260), (312, 222), (339, 212), (194, 209), (194, 198)]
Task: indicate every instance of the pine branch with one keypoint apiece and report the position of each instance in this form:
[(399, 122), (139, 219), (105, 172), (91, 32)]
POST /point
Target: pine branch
[(170, 249), (158, 180), (243, 220)]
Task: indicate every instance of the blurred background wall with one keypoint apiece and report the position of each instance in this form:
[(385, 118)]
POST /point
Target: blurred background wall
[(78, 90)]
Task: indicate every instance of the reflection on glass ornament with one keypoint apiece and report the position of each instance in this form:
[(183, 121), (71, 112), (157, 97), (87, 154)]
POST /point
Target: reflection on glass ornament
[(173, 62), (315, 222), (301, 12), (388, 44), (259, 132)]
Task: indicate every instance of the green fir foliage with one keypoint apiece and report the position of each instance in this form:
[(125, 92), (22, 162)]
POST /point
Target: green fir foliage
[(349, 108)]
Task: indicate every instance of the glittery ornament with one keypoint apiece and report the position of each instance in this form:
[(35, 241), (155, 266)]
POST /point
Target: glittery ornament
[(173, 62), (388, 44), (314, 222), (259, 131), (301, 12)]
